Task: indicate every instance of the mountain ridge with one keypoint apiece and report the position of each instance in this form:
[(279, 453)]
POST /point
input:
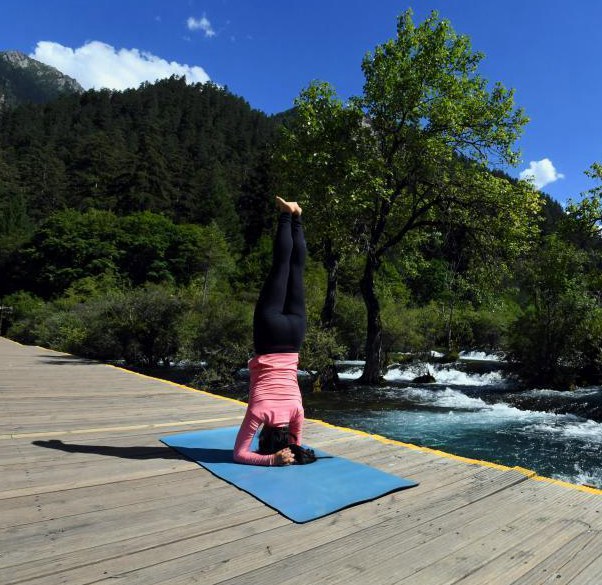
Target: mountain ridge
[(26, 80)]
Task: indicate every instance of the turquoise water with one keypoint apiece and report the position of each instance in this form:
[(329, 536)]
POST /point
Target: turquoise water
[(475, 415)]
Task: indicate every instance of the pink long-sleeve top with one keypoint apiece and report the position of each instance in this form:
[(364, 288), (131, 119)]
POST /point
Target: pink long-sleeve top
[(274, 400)]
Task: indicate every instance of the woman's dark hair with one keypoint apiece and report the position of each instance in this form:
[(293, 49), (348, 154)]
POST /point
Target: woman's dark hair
[(274, 439)]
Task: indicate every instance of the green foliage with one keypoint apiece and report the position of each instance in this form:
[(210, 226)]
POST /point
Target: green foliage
[(217, 332), (320, 348), (402, 330), (28, 311), (582, 223), (591, 360), (315, 288), (411, 155), (588, 212), (90, 288), (62, 329), (318, 158), (67, 247), (319, 162), (391, 286), (488, 327), (140, 326), (554, 338), (192, 152), (351, 324), (144, 247), (427, 79), (255, 266), (421, 329)]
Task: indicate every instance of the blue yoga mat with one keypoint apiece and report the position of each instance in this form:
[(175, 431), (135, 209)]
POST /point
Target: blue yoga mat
[(299, 492)]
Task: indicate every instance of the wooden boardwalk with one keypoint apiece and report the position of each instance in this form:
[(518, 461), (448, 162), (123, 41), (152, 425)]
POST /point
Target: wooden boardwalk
[(110, 504)]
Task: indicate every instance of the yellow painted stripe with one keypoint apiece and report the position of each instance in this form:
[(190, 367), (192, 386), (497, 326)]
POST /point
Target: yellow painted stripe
[(239, 402), (123, 428), (527, 472)]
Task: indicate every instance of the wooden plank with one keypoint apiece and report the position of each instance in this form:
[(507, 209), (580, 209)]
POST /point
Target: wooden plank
[(564, 564), (590, 573), (176, 556), (80, 568), (59, 504), (393, 504), (98, 477), (56, 537), (392, 549)]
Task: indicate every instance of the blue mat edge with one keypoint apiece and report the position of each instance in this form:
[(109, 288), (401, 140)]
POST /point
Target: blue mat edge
[(408, 482)]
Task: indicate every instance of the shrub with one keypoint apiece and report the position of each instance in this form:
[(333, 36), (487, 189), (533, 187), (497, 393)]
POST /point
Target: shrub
[(28, 311)]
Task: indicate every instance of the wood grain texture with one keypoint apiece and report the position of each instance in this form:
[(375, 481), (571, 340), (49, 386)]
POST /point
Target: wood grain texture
[(89, 495)]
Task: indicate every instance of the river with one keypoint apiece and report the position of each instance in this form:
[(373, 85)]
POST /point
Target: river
[(471, 410)]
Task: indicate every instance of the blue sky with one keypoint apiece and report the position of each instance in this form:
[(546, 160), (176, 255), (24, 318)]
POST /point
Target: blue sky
[(549, 51)]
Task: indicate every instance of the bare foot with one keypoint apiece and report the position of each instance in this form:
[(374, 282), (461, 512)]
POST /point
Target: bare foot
[(288, 206)]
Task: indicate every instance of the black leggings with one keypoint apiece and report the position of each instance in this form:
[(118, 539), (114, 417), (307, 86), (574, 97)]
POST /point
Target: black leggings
[(279, 321)]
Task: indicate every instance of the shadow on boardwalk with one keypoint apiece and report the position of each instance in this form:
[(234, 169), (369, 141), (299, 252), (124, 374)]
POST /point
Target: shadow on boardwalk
[(111, 451)]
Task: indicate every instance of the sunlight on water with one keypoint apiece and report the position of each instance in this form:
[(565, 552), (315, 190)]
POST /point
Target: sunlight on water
[(562, 446), (444, 374), (481, 355)]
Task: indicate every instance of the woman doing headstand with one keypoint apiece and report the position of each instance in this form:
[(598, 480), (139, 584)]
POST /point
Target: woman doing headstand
[(279, 326)]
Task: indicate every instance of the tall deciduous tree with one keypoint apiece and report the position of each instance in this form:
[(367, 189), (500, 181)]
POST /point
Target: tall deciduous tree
[(437, 130), (433, 132)]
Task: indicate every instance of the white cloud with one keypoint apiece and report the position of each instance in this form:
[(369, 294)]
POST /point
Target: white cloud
[(541, 172), (201, 24), (96, 65)]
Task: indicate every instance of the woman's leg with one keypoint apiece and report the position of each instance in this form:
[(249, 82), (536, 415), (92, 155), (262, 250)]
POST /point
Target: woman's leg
[(270, 326), (294, 306)]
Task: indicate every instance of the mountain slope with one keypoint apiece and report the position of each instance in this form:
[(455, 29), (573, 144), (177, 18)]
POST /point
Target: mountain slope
[(23, 80)]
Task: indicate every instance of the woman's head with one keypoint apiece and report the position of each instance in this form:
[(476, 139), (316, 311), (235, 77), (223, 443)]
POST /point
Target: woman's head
[(273, 439)]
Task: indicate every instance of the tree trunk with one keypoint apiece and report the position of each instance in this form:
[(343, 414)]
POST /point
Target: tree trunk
[(205, 284), (449, 327), (373, 367), (331, 263)]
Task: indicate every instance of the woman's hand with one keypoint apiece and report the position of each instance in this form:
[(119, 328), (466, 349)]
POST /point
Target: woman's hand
[(284, 457)]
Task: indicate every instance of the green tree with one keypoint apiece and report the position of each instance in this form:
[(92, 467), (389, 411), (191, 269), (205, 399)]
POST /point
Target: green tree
[(28, 311), (553, 338), (435, 129), (67, 247), (140, 325), (203, 252), (15, 223), (587, 213)]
